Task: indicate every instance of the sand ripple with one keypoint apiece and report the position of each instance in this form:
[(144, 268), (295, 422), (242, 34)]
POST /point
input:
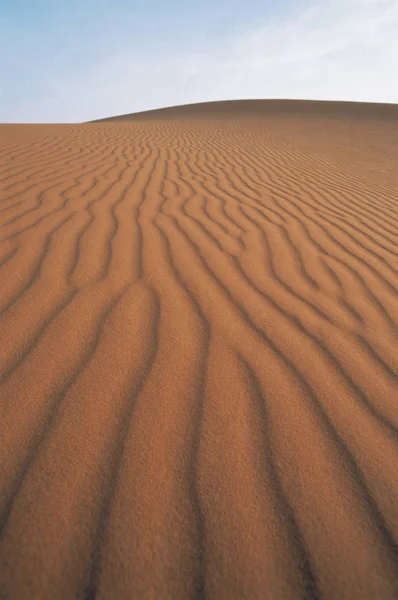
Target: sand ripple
[(198, 358)]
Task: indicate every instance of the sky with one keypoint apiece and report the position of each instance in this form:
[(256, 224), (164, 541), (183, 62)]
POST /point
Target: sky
[(79, 60)]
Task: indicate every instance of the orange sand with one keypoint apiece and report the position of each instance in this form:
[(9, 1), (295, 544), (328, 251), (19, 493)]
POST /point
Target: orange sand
[(198, 357)]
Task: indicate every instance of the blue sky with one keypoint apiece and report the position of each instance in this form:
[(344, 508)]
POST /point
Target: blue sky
[(70, 60)]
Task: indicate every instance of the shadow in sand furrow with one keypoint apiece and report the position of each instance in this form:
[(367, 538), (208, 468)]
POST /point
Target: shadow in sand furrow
[(347, 478), (321, 348), (88, 205), (42, 155), (351, 464), (45, 427), (390, 368), (376, 302), (342, 291), (195, 205), (67, 171), (153, 234), (48, 236), (328, 235), (51, 160), (198, 323), (9, 256), (318, 184), (250, 543), (314, 250), (52, 286), (22, 289), (13, 206), (362, 396), (41, 202), (199, 182), (8, 152), (142, 194), (301, 268), (347, 201), (372, 357), (372, 319), (298, 542), (197, 411), (211, 196), (207, 206), (192, 204), (77, 254), (234, 168), (362, 240), (369, 204), (268, 259), (265, 211), (303, 223), (339, 202), (50, 213), (93, 254), (216, 205), (272, 271), (128, 189), (355, 472), (23, 353), (64, 167), (115, 456), (89, 443), (369, 290), (240, 187), (321, 211), (324, 179), (296, 324)]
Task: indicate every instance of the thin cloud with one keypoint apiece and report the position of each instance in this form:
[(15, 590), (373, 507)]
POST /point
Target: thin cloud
[(342, 50)]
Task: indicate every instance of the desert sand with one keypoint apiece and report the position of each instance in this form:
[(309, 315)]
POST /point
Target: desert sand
[(199, 355)]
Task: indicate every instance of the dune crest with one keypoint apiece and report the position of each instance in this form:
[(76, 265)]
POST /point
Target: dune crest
[(198, 358)]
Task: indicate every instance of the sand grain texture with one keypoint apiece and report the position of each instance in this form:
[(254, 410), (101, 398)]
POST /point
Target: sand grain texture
[(198, 355)]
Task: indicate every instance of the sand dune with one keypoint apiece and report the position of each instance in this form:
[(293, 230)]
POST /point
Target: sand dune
[(198, 358)]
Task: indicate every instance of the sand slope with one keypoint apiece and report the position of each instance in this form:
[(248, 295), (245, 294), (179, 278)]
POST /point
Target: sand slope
[(198, 357)]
